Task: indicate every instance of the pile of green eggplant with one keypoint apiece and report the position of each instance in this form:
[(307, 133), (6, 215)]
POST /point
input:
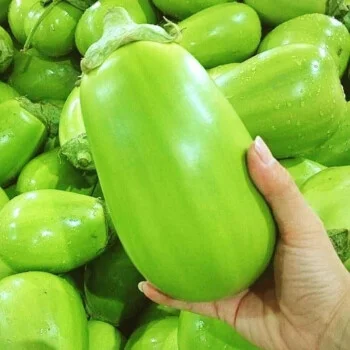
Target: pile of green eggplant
[(124, 126)]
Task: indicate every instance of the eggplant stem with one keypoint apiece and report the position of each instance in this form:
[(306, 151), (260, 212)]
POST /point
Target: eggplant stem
[(118, 30), (47, 10)]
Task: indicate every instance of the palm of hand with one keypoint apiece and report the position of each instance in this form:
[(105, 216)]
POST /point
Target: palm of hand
[(278, 312), (298, 303)]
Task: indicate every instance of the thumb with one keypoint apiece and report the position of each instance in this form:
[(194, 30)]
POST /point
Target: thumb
[(296, 221)]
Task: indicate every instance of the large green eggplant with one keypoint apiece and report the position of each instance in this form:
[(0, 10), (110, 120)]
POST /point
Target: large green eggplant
[(278, 11), (221, 34), (22, 134), (42, 78), (41, 311), (51, 230), (200, 332), (327, 193), (111, 291), (51, 170), (184, 8), (170, 156), (156, 335), (301, 169), (103, 336), (72, 133), (315, 29), (336, 150), (290, 95), (90, 26)]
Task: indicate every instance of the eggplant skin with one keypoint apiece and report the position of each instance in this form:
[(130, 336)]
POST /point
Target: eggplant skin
[(170, 154), (54, 307), (291, 96)]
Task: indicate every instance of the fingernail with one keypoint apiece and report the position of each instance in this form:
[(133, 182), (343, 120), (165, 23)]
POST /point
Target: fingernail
[(263, 151), (140, 286)]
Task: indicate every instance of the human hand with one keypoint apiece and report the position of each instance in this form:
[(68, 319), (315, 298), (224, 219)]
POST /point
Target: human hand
[(304, 301)]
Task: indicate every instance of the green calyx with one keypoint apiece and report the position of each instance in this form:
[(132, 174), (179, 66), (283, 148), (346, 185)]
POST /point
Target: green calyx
[(48, 113), (119, 30), (334, 7), (340, 10), (77, 151), (341, 242), (6, 54)]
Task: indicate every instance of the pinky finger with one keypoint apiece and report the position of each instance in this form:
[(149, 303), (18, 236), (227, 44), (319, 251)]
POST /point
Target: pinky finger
[(221, 309)]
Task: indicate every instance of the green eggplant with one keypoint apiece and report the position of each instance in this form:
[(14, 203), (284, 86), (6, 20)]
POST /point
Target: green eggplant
[(184, 8), (315, 29), (336, 150), (6, 50), (50, 28), (22, 134), (7, 92), (290, 95), (104, 336), (200, 332), (166, 159), (41, 311), (327, 193), (111, 291), (90, 26), (17, 14), (4, 7), (53, 171), (51, 230), (72, 134), (42, 78), (275, 12), (156, 312), (3, 198), (301, 169), (221, 34), (216, 72), (156, 335)]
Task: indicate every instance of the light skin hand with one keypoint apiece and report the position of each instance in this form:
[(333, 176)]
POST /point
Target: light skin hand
[(303, 302)]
